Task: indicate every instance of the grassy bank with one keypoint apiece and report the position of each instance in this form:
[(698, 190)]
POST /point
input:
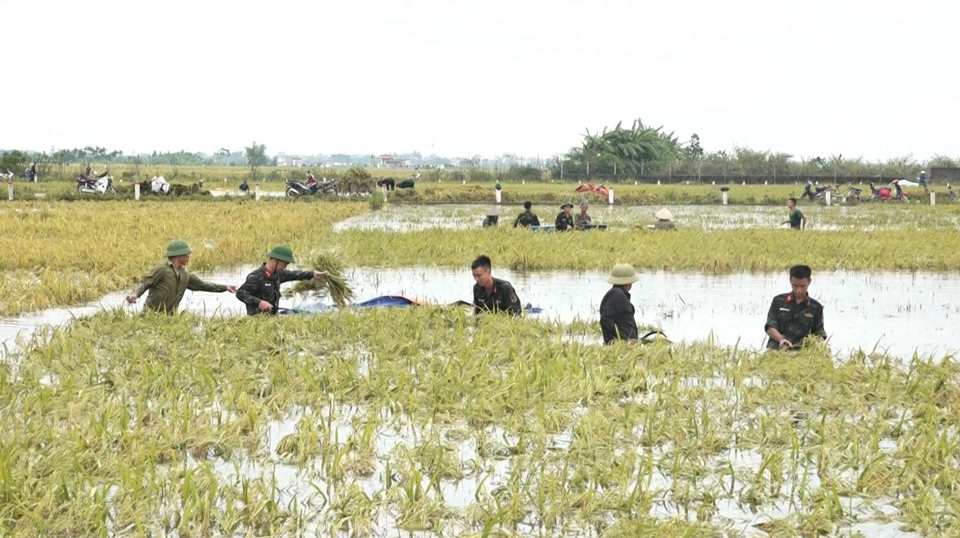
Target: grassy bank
[(129, 426), (429, 191)]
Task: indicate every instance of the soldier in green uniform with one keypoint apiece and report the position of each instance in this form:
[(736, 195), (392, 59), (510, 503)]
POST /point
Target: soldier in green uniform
[(169, 280), (564, 221), (261, 291), (492, 294), (797, 220), (528, 218), (794, 316), (582, 219)]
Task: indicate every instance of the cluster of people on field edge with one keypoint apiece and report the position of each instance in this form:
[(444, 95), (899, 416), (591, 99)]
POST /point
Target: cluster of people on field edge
[(792, 317), (566, 221)]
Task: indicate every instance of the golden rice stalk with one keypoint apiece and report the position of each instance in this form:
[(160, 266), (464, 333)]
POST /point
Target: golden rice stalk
[(333, 284)]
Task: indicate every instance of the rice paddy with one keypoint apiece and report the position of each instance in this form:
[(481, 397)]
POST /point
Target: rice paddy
[(429, 421), (60, 253), (433, 422)]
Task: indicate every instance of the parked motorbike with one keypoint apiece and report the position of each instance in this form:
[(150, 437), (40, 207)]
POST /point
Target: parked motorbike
[(159, 185), (812, 192), (7, 175), (295, 189), (852, 194), (885, 193), (95, 185)]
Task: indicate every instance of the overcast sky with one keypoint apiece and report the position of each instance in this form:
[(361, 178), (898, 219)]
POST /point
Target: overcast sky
[(871, 78)]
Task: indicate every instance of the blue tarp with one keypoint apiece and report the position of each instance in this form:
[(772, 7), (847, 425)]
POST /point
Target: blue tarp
[(384, 301), (586, 227)]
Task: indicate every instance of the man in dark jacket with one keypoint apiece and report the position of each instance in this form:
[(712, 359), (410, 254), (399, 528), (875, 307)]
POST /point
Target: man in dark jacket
[(528, 218), (794, 316), (617, 320), (261, 291), (492, 294), (564, 222)]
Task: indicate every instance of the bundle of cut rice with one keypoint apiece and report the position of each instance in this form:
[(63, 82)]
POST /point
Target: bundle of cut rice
[(333, 284)]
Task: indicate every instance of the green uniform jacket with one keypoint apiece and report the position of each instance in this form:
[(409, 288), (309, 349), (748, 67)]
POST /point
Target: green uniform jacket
[(580, 220), (262, 285), (795, 321), (563, 221), (664, 225), (796, 218), (526, 219), (504, 298), (166, 287)]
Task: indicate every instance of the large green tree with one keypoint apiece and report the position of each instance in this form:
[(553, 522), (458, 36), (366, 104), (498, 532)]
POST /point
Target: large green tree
[(623, 150), (256, 157)]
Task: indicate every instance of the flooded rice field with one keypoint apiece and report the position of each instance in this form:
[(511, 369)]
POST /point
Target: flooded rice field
[(898, 313), (864, 217), (350, 431)]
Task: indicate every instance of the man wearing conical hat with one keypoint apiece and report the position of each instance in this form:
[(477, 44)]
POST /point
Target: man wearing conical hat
[(493, 217), (664, 220), (168, 281), (617, 320)]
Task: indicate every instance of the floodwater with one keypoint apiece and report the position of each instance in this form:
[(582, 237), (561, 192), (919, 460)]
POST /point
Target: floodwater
[(901, 313), (864, 217)]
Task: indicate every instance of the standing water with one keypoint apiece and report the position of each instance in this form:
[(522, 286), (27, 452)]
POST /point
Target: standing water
[(898, 313)]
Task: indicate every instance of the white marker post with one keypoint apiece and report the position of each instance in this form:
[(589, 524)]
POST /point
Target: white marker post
[(256, 192), (383, 189), (10, 190), (933, 198), (498, 197), (610, 197), (136, 191), (726, 197), (658, 182), (828, 197)]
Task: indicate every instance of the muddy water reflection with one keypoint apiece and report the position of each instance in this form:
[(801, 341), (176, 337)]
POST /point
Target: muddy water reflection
[(900, 313)]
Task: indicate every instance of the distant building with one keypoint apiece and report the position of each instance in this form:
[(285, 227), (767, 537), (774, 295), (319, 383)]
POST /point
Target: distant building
[(389, 161), (281, 159), (297, 161)]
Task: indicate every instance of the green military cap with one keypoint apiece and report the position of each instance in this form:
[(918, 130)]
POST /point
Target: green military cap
[(282, 253), (178, 247), (565, 204), (622, 274)]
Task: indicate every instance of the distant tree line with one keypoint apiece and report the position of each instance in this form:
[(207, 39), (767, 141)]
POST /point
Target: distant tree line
[(645, 151)]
